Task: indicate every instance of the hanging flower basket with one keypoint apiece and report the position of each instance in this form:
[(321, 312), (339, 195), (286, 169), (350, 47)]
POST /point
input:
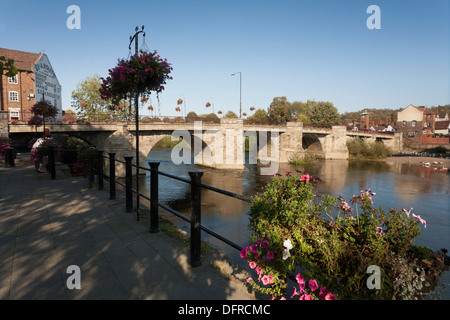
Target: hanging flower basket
[(244, 114), (44, 109), (208, 104), (35, 121), (144, 99), (219, 112), (150, 108), (179, 101), (252, 108), (177, 109), (141, 74)]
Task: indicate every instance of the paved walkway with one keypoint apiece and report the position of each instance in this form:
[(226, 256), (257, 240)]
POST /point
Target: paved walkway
[(47, 225)]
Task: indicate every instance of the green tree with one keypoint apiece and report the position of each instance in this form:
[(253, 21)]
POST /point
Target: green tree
[(231, 115), (8, 65), (260, 115), (279, 110), (86, 100), (324, 113)]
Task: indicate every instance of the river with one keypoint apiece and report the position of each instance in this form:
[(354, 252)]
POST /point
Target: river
[(397, 185)]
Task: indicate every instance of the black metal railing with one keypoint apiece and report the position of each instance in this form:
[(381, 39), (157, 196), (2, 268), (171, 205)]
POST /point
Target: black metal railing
[(196, 204)]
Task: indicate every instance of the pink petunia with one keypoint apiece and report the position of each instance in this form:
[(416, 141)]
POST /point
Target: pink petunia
[(305, 177), (306, 297), (253, 248), (330, 296), (244, 252), (267, 279), (294, 292), (270, 255), (313, 285), (323, 292), (252, 264), (300, 281)]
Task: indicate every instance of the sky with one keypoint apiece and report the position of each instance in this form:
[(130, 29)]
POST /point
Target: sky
[(318, 50)]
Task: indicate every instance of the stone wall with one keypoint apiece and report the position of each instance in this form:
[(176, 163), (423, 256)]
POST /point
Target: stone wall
[(4, 124)]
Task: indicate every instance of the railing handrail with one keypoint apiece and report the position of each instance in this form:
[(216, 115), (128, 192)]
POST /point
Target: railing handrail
[(194, 221)]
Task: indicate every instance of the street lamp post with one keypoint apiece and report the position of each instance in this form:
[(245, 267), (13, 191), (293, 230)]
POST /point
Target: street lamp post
[(240, 93), (136, 103)]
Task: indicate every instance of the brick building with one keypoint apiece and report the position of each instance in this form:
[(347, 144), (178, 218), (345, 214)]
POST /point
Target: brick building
[(418, 124), (35, 81)]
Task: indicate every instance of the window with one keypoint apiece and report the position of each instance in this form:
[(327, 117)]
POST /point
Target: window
[(414, 123), (404, 124), (13, 114), (13, 80), (13, 96)]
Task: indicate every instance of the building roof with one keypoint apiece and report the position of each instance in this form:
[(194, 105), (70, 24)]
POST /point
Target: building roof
[(439, 125), (22, 60)]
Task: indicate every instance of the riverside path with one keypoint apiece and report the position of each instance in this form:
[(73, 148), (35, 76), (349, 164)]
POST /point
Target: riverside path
[(48, 225)]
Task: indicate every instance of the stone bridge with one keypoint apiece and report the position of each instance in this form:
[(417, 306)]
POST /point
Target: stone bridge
[(217, 145)]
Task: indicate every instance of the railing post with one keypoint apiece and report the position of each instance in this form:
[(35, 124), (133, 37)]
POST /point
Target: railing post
[(196, 239), (9, 157), (112, 175), (100, 169), (154, 197), (128, 183), (51, 162)]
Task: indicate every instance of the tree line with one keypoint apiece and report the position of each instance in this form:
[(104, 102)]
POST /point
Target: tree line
[(86, 100)]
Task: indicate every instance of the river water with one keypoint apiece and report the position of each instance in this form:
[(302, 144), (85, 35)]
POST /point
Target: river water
[(396, 185)]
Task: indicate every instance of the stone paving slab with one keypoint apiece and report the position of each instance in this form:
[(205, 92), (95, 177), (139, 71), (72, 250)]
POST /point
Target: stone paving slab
[(47, 225)]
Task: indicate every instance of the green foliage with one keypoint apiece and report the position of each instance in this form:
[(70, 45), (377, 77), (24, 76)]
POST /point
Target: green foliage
[(324, 113), (8, 65), (362, 149), (330, 242), (231, 115), (260, 115), (86, 100)]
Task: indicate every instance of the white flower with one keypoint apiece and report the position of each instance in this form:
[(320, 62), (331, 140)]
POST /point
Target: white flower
[(286, 254), (287, 244)]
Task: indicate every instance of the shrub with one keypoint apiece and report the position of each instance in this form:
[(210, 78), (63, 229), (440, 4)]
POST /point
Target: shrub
[(330, 241)]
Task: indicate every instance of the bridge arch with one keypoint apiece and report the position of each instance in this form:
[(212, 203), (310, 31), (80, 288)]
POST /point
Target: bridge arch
[(311, 144)]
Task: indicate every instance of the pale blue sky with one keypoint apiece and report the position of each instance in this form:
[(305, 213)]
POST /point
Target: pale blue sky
[(304, 50)]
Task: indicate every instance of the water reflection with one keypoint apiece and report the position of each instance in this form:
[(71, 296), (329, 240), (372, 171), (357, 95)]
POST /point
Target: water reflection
[(396, 185)]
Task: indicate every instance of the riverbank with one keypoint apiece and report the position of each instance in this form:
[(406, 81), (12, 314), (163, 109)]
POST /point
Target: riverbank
[(425, 161)]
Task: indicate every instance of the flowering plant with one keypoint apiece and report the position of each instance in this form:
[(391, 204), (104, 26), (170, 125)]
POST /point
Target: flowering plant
[(150, 108), (260, 256), (208, 104), (177, 109), (179, 101), (35, 121), (86, 158), (142, 73), (44, 109), (329, 240), (4, 144)]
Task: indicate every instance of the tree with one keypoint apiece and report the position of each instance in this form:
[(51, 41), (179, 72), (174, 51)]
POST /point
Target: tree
[(279, 110), (231, 115), (8, 65), (260, 115), (86, 100), (324, 113)]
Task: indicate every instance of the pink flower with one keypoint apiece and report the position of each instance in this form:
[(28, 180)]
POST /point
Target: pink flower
[(253, 248), (323, 292), (306, 297), (420, 219), (264, 244), (305, 177), (267, 279), (300, 281), (244, 252), (252, 264), (313, 285), (330, 296), (294, 292), (249, 279), (270, 255), (379, 231)]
